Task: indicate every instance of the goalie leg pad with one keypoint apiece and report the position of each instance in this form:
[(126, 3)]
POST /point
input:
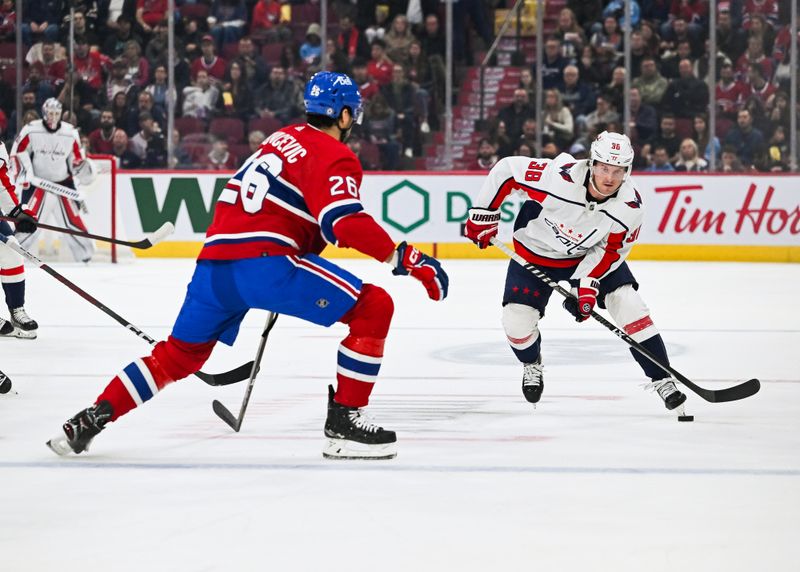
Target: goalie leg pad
[(82, 248), (361, 353), (520, 324)]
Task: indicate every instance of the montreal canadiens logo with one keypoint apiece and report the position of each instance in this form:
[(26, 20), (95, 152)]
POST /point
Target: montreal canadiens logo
[(586, 308)]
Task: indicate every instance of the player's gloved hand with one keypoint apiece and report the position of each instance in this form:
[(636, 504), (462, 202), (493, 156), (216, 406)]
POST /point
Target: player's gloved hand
[(408, 261), (583, 299), (24, 221), (482, 225)]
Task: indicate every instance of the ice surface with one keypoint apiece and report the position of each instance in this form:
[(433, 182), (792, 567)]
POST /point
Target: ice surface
[(598, 477)]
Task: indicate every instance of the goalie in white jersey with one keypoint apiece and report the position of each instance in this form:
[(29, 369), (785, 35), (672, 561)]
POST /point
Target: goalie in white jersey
[(12, 269), (50, 149), (579, 223)]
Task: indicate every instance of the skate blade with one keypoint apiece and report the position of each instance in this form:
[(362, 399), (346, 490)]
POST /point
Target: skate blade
[(679, 411), (60, 446), (21, 334), (344, 449)]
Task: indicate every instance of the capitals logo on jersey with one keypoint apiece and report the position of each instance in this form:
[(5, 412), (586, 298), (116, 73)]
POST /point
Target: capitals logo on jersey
[(565, 172), (637, 202)]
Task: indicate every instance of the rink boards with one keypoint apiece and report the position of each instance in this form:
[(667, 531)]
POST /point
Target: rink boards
[(751, 217)]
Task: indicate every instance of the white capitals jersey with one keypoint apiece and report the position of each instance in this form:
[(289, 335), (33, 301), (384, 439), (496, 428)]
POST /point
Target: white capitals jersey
[(8, 199), (50, 155), (560, 227)]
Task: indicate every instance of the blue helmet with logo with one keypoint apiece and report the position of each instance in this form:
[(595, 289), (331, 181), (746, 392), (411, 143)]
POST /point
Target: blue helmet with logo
[(327, 93)]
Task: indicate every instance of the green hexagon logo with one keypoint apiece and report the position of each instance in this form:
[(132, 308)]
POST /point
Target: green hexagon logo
[(408, 204)]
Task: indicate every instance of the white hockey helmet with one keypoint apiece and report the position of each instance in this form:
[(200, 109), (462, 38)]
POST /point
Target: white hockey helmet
[(51, 112), (613, 149)]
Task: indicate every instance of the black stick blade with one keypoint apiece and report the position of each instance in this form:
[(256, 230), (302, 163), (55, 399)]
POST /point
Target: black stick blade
[(223, 413), (227, 377), (735, 393)]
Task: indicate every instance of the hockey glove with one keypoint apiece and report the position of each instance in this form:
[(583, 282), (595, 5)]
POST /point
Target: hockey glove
[(583, 299), (24, 221), (482, 225), (408, 261)]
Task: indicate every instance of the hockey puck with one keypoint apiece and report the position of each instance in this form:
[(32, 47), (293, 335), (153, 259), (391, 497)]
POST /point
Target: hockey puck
[(686, 418), (5, 384)]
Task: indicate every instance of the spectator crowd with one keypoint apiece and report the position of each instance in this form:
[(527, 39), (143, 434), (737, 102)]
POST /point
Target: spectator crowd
[(240, 67), (583, 79)]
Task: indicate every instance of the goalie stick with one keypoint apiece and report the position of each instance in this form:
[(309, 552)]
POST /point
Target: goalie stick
[(223, 412), (55, 188), (224, 378), (155, 237), (741, 391)]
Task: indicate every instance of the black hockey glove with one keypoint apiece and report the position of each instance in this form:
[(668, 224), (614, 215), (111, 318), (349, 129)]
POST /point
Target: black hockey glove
[(24, 221)]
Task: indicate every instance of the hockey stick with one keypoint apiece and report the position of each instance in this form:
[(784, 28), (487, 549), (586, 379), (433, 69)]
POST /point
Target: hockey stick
[(224, 378), (223, 412), (155, 237), (55, 188), (741, 391)]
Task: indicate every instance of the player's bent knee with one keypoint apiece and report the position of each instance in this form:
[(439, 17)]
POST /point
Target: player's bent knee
[(178, 359), (372, 314), (520, 324), (630, 312)]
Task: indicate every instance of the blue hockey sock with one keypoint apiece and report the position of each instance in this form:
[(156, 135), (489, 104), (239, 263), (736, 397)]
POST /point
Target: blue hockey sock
[(529, 354), (15, 294), (656, 347)]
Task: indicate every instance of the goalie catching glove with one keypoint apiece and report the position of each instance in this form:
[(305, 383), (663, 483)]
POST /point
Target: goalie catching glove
[(482, 225), (583, 299), (24, 221), (408, 261)]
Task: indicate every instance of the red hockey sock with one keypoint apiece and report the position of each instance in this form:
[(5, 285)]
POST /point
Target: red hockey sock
[(137, 383), (361, 353), (358, 363)]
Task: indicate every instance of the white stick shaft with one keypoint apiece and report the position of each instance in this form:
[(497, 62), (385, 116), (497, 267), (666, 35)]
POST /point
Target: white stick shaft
[(55, 188)]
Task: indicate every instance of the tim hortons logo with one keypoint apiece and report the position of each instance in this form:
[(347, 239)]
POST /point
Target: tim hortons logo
[(760, 218)]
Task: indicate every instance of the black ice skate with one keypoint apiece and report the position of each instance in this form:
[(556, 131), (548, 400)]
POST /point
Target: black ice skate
[(351, 436), (79, 431), (672, 397), (25, 326), (533, 380)]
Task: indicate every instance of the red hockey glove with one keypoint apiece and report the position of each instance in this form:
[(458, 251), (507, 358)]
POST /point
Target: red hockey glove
[(583, 299), (482, 226), (24, 221), (411, 262)]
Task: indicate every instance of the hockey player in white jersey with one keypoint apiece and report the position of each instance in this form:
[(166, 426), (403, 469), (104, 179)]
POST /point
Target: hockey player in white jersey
[(50, 149), (12, 269), (579, 223)]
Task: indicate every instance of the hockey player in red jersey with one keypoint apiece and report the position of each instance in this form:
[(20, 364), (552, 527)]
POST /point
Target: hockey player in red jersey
[(12, 269), (297, 193), (579, 224), (51, 150)]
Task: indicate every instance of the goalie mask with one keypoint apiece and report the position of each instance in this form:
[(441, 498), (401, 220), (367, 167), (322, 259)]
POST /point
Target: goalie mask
[(51, 113), (612, 149)]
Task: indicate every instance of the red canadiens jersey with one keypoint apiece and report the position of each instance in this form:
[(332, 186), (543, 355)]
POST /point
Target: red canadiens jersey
[(287, 198)]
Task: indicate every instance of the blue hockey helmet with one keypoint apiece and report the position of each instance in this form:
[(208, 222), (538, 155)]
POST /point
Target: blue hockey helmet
[(327, 93)]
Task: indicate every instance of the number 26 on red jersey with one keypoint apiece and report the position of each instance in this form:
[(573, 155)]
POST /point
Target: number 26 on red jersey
[(254, 182)]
